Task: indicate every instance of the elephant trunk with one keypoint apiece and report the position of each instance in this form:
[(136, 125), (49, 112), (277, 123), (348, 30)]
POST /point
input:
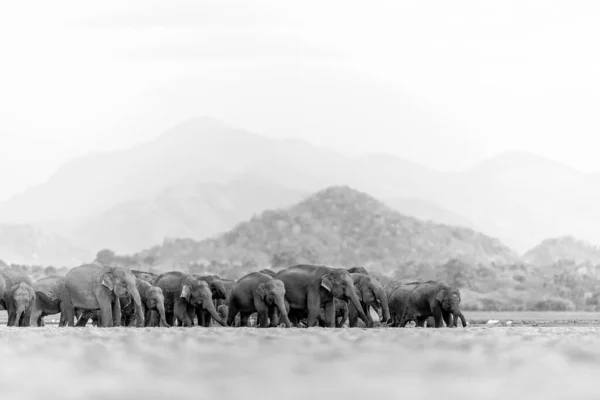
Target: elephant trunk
[(210, 307), (356, 303), (138, 306), (458, 314), (381, 296), (280, 302), (18, 317), (161, 312)]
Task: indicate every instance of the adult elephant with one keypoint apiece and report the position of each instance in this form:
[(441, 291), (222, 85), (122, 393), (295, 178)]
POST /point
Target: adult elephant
[(258, 293), (19, 303), (183, 293), (48, 293), (310, 287), (219, 292), (152, 300), (417, 301), (95, 287), (371, 294)]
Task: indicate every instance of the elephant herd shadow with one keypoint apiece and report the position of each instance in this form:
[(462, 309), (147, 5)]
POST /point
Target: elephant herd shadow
[(298, 296)]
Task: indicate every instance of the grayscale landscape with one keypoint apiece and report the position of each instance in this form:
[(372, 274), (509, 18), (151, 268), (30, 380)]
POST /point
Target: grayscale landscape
[(278, 199)]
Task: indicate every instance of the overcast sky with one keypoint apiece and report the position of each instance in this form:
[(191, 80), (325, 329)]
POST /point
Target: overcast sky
[(438, 82)]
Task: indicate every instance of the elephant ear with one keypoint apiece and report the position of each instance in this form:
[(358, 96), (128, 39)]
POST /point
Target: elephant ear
[(107, 281), (261, 291), (186, 292), (443, 297), (31, 293), (327, 282)]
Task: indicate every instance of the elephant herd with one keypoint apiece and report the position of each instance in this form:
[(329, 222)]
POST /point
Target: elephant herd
[(301, 295)]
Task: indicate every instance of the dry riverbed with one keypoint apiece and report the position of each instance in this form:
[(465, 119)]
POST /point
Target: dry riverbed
[(228, 363)]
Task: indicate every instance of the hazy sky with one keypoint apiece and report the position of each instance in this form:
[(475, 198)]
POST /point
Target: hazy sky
[(438, 82)]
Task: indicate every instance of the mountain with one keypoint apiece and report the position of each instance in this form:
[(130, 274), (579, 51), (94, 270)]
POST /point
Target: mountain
[(337, 226), (26, 244), (522, 198), (518, 197), (191, 211), (563, 249)]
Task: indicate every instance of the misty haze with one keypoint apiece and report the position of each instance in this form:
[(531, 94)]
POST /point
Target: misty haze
[(275, 200)]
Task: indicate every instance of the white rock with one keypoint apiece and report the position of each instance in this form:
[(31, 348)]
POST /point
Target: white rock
[(493, 322)]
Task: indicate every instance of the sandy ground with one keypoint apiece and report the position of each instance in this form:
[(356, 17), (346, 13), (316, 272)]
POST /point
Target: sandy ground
[(248, 363)]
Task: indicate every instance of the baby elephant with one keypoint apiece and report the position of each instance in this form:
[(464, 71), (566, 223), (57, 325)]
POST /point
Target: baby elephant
[(258, 293), (20, 301)]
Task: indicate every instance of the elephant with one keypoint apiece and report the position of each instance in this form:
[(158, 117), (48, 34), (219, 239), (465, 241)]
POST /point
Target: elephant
[(8, 279), (223, 311), (260, 293), (420, 300), (358, 270), (371, 294), (145, 275), (268, 272), (19, 303), (48, 293), (152, 300), (341, 311), (219, 292), (310, 287), (182, 294), (94, 287)]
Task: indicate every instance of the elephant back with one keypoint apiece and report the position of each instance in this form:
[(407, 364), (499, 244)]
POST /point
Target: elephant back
[(145, 275), (48, 290)]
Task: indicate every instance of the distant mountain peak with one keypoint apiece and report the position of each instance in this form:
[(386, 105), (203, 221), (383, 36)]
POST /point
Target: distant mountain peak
[(522, 159), (565, 247)]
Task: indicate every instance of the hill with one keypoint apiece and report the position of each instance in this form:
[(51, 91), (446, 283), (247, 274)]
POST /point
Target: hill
[(563, 249), (190, 211), (337, 226)]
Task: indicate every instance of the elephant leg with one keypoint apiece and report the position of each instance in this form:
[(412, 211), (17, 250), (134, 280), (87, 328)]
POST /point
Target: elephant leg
[(27, 318), (262, 317), (207, 318), (273, 317), (344, 317), (147, 317), (199, 315), (105, 318), (169, 316), (36, 317), (329, 314), (437, 317), (352, 316), (369, 321), (447, 318), (233, 311), (180, 310), (313, 302), (67, 311)]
